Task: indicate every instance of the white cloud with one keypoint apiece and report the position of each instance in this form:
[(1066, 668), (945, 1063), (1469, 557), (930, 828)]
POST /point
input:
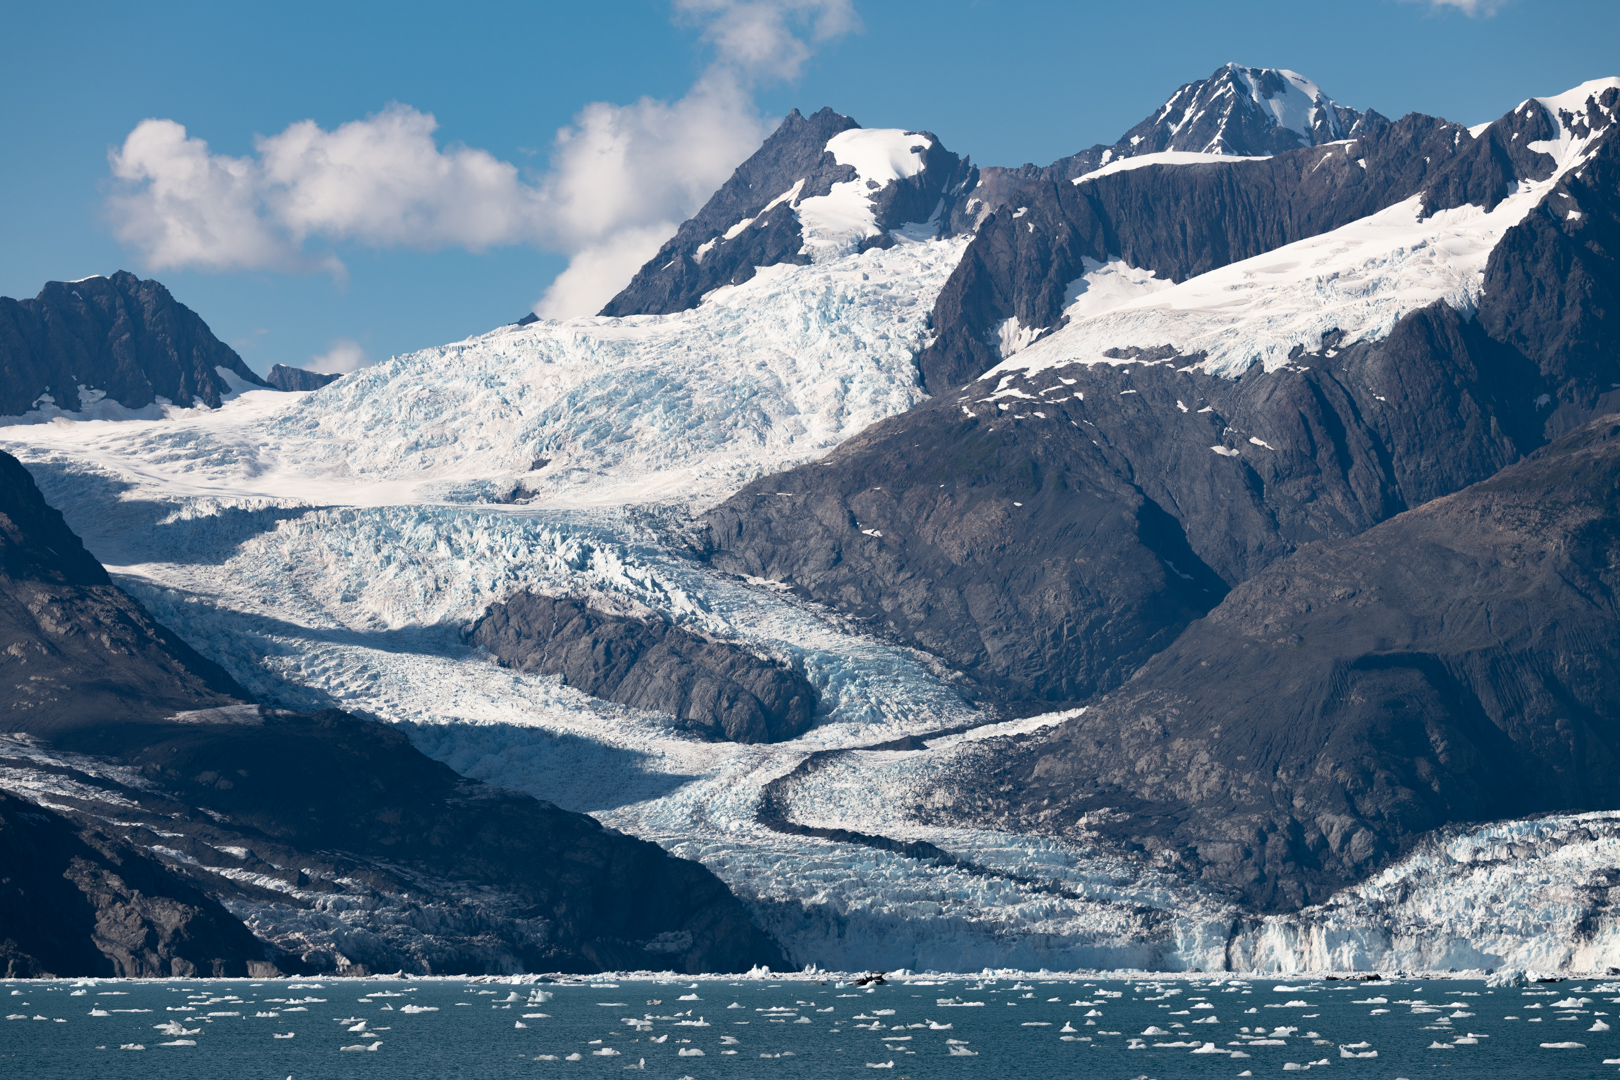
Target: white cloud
[(767, 38), (381, 181), (342, 356), (621, 176), (187, 207), (624, 177), (1467, 7)]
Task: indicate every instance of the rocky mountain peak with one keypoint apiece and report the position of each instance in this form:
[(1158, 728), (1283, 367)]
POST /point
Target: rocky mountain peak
[(820, 187), (1237, 112), (117, 339)]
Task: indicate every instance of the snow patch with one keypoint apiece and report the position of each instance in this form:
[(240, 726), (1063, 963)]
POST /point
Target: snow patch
[(1163, 157), (835, 223)]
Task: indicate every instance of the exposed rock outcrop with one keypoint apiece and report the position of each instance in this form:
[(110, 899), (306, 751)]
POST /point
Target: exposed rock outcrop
[(716, 687), (298, 380), (74, 901)]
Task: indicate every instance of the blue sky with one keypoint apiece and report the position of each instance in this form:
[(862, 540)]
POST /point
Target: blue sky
[(354, 243)]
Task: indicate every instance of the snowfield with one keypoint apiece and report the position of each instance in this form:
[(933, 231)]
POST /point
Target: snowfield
[(333, 548)]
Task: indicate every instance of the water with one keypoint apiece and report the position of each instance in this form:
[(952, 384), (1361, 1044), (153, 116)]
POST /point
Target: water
[(802, 1028)]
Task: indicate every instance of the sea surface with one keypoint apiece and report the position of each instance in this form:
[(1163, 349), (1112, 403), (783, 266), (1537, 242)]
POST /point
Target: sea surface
[(804, 1027)]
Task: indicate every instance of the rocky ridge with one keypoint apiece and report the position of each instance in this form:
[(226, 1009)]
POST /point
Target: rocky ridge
[(1455, 663), (118, 339), (757, 218)]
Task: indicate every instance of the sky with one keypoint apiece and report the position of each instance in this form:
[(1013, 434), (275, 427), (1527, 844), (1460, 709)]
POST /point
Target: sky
[(332, 184)]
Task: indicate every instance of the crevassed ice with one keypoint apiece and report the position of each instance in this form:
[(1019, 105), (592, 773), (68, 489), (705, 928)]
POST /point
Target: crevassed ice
[(649, 408)]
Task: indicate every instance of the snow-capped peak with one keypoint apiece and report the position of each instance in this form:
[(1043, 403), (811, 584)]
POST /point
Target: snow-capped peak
[(819, 188), (834, 224), (1238, 112), (1241, 111), (1297, 103)]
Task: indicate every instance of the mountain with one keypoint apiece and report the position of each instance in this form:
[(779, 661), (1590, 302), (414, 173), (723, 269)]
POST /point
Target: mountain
[(297, 380), (1030, 254), (117, 339), (1235, 595), (274, 814), (1051, 528), (819, 187), (1455, 663)]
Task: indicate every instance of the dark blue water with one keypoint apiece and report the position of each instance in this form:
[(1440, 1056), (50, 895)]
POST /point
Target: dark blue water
[(791, 1029)]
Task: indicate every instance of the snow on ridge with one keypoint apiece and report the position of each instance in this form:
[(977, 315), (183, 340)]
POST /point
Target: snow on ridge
[(880, 154), (1569, 149), (1575, 99), (1164, 157), (1360, 278)]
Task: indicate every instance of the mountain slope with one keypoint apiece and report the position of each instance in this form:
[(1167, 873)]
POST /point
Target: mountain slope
[(1456, 663), (118, 339), (74, 901), (80, 652), (1047, 531)]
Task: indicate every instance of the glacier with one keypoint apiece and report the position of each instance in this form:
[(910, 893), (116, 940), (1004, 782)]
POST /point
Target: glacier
[(331, 548)]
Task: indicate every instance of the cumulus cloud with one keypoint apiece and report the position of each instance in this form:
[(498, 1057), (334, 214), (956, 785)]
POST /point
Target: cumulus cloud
[(342, 356), (621, 177)]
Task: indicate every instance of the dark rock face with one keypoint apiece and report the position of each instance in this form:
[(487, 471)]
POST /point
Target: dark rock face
[(1048, 540), (460, 876), (80, 652), (1027, 252), (74, 902), (1552, 286), (122, 336), (298, 380), (137, 736), (758, 212), (1456, 663), (717, 687)]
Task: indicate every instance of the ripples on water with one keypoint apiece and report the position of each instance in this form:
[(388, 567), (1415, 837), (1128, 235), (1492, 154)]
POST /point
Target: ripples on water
[(916, 1028)]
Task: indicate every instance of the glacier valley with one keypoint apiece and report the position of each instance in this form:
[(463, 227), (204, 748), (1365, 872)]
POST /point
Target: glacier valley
[(333, 548)]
